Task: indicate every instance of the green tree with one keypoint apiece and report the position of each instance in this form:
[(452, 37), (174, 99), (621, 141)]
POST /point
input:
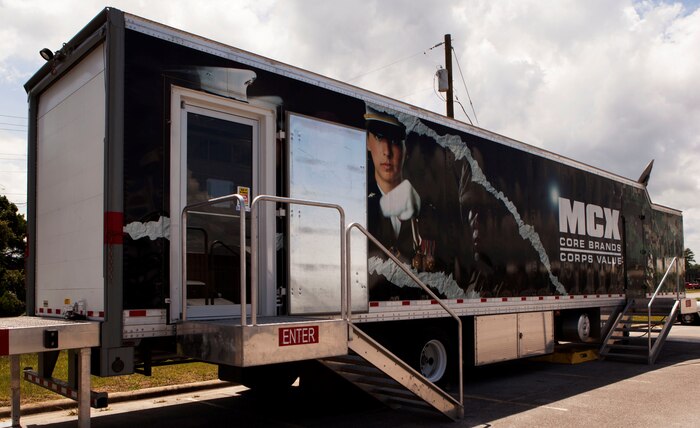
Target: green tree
[(692, 270), (13, 232)]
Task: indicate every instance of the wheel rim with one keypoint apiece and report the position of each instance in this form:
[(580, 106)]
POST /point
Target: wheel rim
[(433, 360), (688, 318)]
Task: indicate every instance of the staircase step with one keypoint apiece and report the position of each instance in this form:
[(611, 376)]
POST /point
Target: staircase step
[(631, 347), (396, 394), (639, 329), (414, 404), (644, 316), (645, 322), (618, 355), (356, 370), (373, 381), (416, 407), (654, 308), (631, 338), (349, 359)]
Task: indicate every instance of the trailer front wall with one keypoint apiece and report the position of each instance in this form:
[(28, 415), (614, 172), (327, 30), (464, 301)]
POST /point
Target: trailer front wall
[(667, 243), (70, 191)]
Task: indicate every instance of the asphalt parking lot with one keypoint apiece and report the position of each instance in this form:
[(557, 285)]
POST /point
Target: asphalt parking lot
[(517, 394)]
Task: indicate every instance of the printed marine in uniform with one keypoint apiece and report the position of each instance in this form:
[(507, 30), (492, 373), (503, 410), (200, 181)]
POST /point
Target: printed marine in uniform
[(393, 205)]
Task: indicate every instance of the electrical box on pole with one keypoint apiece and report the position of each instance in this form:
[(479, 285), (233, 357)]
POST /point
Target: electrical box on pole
[(443, 86)]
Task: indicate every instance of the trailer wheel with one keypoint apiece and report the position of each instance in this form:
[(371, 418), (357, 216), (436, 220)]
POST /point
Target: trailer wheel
[(433, 360), (689, 319)]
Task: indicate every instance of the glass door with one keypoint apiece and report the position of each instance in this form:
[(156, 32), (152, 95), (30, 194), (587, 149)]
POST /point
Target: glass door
[(216, 158)]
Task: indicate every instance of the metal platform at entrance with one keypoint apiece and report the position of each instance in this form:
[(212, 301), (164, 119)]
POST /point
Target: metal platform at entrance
[(271, 340)]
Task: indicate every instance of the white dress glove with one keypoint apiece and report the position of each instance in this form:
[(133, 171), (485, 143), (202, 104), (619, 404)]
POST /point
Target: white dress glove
[(402, 202)]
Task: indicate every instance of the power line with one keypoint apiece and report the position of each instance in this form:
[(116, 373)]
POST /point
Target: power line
[(14, 117), (395, 62), (459, 67), (413, 93), (16, 130), (465, 112), (13, 124)]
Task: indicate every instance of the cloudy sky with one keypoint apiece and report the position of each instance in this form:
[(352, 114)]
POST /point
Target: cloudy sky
[(610, 83)]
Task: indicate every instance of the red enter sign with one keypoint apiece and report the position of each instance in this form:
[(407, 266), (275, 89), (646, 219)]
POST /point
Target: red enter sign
[(298, 335)]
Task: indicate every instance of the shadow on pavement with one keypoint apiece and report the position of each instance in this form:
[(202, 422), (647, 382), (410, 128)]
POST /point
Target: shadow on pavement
[(492, 393)]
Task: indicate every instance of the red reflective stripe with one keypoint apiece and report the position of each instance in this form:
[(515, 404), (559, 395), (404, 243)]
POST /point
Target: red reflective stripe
[(483, 300), (460, 300), (406, 303), (114, 228), (373, 304), (140, 313), (504, 299), (523, 299), (4, 342)]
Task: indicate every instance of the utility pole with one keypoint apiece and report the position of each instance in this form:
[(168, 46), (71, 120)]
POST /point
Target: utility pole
[(448, 66)]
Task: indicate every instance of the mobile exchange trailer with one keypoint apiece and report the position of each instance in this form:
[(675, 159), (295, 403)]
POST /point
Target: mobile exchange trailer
[(201, 202)]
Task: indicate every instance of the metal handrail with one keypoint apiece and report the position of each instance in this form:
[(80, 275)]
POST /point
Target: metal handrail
[(254, 248), (183, 248), (425, 288), (653, 297)]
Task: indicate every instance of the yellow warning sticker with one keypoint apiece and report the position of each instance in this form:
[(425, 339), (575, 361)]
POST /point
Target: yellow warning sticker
[(245, 192)]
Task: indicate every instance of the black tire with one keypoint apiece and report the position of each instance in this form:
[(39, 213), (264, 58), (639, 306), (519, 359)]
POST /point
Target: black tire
[(689, 319)]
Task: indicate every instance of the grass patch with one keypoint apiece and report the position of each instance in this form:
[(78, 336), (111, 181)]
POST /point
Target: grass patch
[(162, 376)]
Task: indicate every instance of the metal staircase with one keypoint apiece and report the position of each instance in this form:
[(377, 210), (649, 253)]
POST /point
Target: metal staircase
[(381, 374), (639, 334), (244, 341), (640, 330), (377, 371)]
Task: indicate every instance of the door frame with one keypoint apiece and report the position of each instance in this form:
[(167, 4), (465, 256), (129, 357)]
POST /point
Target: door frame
[(263, 178)]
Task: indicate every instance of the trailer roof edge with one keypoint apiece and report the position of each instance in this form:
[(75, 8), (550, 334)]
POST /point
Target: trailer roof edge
[(666, 209), (81, 36)]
